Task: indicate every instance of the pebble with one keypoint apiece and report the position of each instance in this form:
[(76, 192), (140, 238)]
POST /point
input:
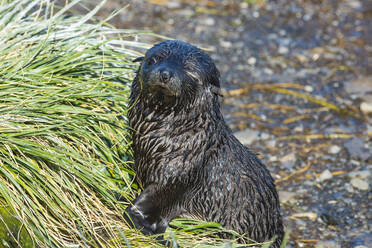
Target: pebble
[(282, 32), (288, 157), (301, 58), (327, 244), (247, 136), (271, 143), (369, 130), (366, 107), (309, 88), (252, 61), (244, 5), (359, 184), (286, 196), (310, 215), (173, 4), (326, 175), (355, 147), (298, 129), (361, 174), (288, 161), (268, 71), (355, 4), (354, 162), (226, 44), (283, 50), (334, 149), (209, 21), (265, 136), (315, 57), (256, 14), (349, 188), (307, 17), (359, 86), (185, 12), (273, 158)]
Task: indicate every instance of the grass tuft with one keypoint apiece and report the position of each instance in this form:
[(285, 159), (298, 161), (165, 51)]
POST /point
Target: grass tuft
[(64, 147)]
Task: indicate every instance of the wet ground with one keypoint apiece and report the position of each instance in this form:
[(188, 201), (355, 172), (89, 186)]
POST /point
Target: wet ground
[(297, 79)]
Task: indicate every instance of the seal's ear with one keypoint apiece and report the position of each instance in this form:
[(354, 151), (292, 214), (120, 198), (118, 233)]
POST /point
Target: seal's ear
[(139, 59)]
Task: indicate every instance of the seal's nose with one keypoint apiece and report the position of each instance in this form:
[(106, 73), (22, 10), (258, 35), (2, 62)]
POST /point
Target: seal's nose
[(165, 75)]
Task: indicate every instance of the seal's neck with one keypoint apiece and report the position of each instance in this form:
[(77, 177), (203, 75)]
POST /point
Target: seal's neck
[(147, 115)]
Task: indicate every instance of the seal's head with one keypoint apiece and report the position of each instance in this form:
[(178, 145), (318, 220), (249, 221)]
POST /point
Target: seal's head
[(176, 70)]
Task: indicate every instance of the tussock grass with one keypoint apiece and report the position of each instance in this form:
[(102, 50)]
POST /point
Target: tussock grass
[(63, 138), (65, 153)]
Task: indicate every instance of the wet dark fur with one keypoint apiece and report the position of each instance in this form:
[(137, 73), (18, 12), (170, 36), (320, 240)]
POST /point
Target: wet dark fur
[(187, 159)]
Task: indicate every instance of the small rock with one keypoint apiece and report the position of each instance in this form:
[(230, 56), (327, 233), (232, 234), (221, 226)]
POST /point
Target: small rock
[(301, 58), (355, 147), (369, 130), (273, 158), (268, 71), (252, 61), (326, 175), (271, 143), (282, 32), (283, 50), (309, 88), (209, 21), (244, 5), (299, 129), (288, 161), (272, 36), (226, 44), (359, 86), (349, 188), (327, 244), (286, 196), (186, 12), (336, 85), (315, 56), (288, 157), (300, 244), (359, 184), (334, 149), (366, 107), (247, 136), (367, 97), (360, 174), (307, 17), (310, 215), (355, 4), (173, 4), (355, 162), (265, 136)]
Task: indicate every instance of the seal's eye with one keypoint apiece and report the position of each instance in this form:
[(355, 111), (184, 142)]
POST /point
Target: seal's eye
[(152, 60)]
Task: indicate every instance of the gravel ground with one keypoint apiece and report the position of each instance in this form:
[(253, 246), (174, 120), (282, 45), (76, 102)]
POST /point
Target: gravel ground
[(298, 91)]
